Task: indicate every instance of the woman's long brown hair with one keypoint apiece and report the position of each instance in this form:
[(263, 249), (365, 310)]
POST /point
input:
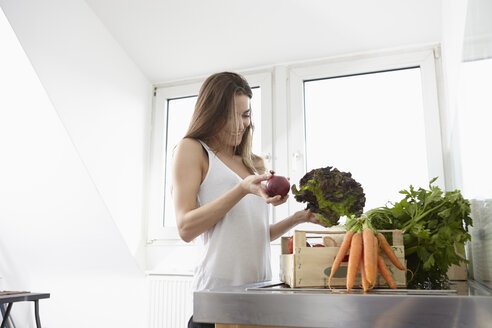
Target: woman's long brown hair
[(215, 106)]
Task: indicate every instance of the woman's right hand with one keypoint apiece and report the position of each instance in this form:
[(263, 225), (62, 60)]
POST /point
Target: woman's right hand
[(253, 185)]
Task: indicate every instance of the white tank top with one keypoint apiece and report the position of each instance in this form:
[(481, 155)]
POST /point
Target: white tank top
[(236, 251)]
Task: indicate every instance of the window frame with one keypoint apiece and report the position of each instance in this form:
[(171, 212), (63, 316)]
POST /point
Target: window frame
[(157, 233), (354, 65)]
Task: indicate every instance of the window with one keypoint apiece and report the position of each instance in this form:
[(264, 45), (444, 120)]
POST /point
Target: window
[(372, 120), (179, 113), (376, 116), (378, 135), (173, 108), (475, 120)]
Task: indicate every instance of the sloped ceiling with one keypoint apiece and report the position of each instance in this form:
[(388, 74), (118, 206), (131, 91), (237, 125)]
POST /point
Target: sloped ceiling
[(178, 39)]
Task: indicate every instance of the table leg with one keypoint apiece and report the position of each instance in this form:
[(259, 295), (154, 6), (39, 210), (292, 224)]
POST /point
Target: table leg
[(36, 313), (6, 316)]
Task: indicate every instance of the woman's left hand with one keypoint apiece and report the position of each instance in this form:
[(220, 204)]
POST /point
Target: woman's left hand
[(253, 184), (308, 216), (276, 200)]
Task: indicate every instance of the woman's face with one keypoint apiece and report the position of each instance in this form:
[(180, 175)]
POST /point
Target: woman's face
[(232, 133)]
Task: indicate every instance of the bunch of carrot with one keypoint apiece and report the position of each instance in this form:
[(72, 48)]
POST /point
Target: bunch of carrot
[(364, 243)]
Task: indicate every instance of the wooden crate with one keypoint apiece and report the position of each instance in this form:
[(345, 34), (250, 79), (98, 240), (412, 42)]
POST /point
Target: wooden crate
[(458, 272), (311, 266)]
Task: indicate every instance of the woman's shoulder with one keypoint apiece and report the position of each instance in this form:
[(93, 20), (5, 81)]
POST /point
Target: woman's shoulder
[(189, 143), (190, 148)]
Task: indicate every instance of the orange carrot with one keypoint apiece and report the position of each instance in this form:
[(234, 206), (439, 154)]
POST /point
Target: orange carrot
[(385, 272), (341, 254), (365, 283), (389, 252), (375, 259), (368, 240), (354, 259)]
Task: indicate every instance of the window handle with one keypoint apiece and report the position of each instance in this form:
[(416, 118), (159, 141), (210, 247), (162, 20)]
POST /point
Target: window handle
[(295, 158)]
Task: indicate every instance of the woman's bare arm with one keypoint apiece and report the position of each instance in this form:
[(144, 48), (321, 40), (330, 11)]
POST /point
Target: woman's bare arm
[(187, 177), (281, 227)]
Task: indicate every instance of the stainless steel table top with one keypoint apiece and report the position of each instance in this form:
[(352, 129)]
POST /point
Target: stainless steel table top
[(467, 304)]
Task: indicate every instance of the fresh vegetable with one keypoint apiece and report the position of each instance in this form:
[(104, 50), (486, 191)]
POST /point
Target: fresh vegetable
[(329, 242), (341, 254), (385, 246), (354, 259), (385, 272), (330, 194), (375, 258), (291, 244), (435, 226), (277, 185), (368, 240), (365, 282), (363, 245)]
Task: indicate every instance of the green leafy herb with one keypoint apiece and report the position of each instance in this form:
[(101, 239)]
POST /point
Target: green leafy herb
[(435, 225)]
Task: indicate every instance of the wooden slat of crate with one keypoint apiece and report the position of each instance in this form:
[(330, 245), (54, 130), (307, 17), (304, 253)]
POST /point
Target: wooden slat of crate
[(457, 272), (309, 264)]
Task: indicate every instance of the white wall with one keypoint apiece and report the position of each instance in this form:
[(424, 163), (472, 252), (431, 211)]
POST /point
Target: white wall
[(73, 148), (99, 94)]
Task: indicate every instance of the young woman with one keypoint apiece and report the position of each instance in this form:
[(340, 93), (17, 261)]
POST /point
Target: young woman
[(218, 192)]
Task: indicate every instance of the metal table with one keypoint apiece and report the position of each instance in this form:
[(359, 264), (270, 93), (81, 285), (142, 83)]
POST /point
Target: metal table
[(467, 304), (22, 297)]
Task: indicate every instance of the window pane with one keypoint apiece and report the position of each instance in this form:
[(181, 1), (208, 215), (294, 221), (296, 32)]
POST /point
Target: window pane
[(371, 125), (179, 113), (475, 125), (256, 119)]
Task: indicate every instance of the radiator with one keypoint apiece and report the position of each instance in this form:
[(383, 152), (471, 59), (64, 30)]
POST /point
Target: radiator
[(171, 303)]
